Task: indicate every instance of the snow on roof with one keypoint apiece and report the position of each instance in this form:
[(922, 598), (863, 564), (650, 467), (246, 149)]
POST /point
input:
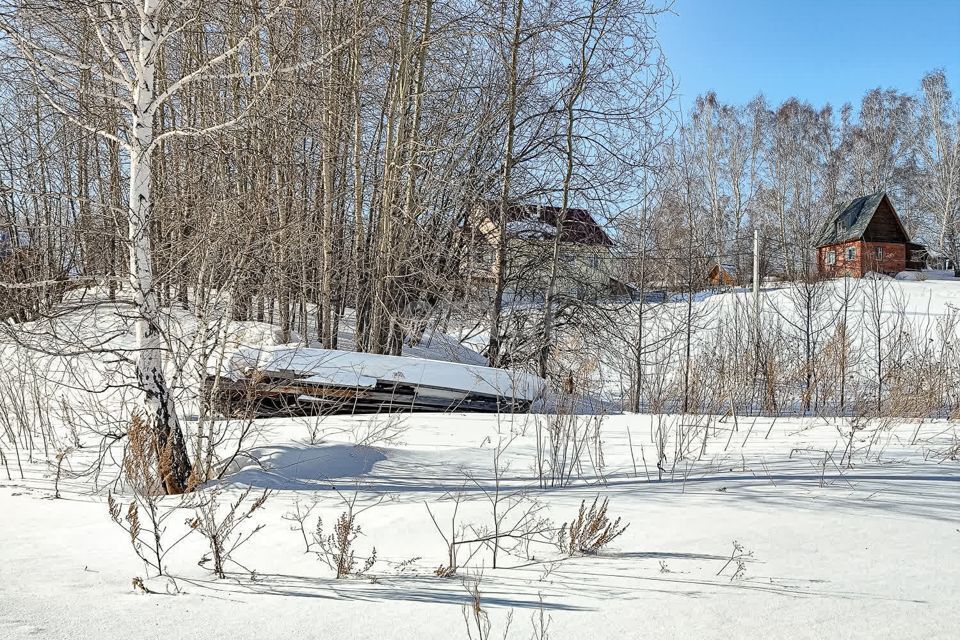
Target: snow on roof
[(526, 228), (579, 226)]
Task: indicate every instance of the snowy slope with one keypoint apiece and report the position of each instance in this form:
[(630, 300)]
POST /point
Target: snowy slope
[(913, 316)]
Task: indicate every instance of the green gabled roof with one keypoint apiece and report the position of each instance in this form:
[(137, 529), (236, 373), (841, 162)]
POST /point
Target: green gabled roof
[(855, 217)]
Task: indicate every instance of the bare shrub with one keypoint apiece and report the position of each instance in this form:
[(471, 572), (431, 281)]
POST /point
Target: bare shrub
[(25, 420), (953, 452), (381, 429), (449, 569), (564, 446), (144, 518), (590, 531), (516, 523), (223, 534), (454, 537), (299, 516), (146, 531)]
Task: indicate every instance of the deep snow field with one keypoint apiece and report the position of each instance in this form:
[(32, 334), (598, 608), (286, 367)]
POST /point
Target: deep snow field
[(867, 551), (838, 533)]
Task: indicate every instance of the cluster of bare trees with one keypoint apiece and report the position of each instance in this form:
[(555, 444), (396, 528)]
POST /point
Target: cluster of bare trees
[(310, 157), (818, 347), (732, 169), (310, 163), (300, 159), (728, 172)]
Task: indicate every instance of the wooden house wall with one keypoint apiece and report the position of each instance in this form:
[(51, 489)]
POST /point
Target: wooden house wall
[(885, 227)]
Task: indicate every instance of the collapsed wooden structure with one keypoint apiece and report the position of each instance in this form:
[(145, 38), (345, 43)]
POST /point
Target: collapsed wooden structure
[(291, 380)]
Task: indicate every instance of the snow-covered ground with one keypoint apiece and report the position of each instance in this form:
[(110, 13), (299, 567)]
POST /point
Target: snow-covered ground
[(834, 544), (741, 527)]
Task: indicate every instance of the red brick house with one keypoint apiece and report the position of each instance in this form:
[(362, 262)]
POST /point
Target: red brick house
[(866, 235)]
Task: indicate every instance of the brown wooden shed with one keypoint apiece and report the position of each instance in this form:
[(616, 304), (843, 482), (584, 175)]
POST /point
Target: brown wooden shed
[(722, 275)]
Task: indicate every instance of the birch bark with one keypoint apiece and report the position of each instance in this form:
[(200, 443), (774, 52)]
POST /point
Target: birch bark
[(157, 401)]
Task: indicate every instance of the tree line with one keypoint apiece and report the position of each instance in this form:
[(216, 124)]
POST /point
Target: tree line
[(311, 162)]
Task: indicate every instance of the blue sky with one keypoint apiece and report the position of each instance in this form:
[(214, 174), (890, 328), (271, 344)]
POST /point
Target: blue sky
[(817, 50)]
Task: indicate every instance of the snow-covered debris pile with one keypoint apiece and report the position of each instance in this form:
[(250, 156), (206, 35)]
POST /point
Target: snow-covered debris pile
[(928, 274), (293, 379)]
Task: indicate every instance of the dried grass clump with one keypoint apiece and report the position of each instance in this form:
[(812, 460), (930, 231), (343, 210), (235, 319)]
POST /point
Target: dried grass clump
[(590, 531), (141, 465), (150, 462)]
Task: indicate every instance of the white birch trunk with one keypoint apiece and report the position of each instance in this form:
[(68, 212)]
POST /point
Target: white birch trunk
[(157, 403)]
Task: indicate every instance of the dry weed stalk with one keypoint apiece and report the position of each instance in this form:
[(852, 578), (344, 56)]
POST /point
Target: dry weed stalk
[(61, 458), (738, 559), (146, 533), (541, 622), (475, 617), (223, 534), (337, 548)]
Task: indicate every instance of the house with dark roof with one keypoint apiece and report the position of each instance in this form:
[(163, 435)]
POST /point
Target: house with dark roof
[(531, 232), (722, 275), (866, 235)]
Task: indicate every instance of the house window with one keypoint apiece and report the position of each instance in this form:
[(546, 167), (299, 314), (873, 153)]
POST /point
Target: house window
[(594, 262), (878, 252), (831, 257), (851, 253)]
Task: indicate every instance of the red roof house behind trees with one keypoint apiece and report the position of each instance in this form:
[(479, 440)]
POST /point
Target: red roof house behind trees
[(579, 226)]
